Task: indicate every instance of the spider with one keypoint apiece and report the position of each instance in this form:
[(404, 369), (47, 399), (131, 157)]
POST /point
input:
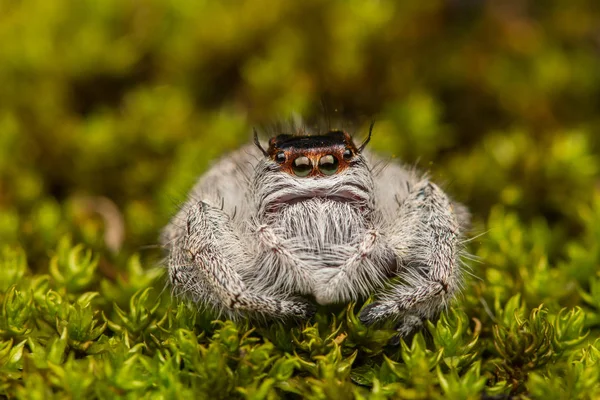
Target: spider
[(314, 216)]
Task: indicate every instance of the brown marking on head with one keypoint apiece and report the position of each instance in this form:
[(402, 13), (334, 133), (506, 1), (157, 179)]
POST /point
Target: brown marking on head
[(313, 155)]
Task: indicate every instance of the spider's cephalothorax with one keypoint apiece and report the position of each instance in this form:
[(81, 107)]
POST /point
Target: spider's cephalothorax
[(316, 216)]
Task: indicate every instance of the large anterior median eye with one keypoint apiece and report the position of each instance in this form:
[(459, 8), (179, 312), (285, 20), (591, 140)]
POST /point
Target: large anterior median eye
[(328, 164), (302, 166)]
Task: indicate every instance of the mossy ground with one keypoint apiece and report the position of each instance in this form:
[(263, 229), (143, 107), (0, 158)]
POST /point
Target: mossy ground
[(110, 110)]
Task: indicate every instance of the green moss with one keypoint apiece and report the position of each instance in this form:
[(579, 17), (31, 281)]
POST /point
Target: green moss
[(109, 112)]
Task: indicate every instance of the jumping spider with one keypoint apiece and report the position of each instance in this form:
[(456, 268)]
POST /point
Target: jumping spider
[(316, 215)]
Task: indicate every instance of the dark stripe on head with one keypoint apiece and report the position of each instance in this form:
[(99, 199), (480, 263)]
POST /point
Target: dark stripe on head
[(305, 142)]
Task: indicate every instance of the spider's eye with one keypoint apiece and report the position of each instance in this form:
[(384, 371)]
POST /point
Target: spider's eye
[(280, 157), (347, 154), (302, 166), (328, 164)]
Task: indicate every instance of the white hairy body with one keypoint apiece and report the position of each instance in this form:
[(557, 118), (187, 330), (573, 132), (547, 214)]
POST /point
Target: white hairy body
[(252, 240)]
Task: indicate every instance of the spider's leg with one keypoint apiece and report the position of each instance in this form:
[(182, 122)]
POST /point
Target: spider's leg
[(205, 256), (426, 239)]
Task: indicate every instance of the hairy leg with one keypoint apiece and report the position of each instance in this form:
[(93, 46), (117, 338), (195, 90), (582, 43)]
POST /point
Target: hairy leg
[(426, 239), (205, 256)]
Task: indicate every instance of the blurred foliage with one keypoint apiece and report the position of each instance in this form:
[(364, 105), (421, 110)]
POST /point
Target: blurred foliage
[(110, 110)]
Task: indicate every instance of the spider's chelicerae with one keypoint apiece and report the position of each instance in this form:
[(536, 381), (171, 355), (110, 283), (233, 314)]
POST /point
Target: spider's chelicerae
[(315, 216)]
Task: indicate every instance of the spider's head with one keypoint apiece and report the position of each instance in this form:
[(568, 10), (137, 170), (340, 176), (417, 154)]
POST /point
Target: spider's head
[(313, 155), (302, 167)]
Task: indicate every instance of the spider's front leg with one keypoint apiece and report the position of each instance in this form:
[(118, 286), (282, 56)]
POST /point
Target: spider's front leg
[(426, 239), (205, 256)]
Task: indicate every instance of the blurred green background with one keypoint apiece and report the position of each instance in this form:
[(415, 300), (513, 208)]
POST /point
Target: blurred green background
[(132, 100), (109, 111)]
